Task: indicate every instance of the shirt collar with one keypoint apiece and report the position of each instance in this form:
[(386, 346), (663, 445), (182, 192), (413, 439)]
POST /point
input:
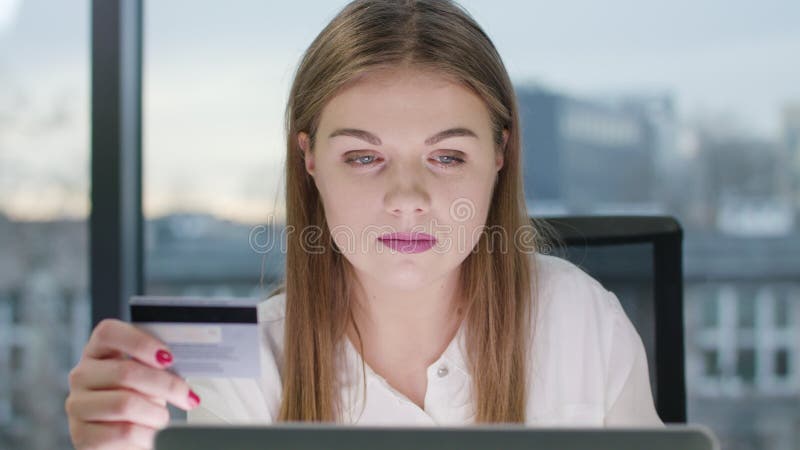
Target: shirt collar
[(351, 377)]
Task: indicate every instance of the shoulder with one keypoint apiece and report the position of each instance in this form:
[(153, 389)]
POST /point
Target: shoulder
[(573, 308), (562, 288), (273, 308), (584, 346)]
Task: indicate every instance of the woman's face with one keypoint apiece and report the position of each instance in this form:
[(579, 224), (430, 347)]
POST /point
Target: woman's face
[(404, 151)]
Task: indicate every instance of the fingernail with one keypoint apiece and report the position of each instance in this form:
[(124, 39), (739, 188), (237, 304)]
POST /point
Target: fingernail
[(194, 400), (163, 357)]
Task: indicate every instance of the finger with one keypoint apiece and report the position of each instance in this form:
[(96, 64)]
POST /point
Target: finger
[(112, 337), (116, 406), (110, 435), (156, 384), (159, 401)]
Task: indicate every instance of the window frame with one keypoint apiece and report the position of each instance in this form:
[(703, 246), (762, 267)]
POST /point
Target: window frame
[(116, 219)]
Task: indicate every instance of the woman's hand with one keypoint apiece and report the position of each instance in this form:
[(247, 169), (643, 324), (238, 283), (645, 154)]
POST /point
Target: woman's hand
[(119, 390)]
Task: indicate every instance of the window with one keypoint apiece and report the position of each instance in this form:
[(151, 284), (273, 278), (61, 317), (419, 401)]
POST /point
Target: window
[(781, 365), (710, 312), (711, 363), (219, 106), (782, 316), (746, 310), (44, 205), (626, 109), (746, 365), (745, 352)]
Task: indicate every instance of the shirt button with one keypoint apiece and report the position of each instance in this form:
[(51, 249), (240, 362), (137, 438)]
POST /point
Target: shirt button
[(442, 372)]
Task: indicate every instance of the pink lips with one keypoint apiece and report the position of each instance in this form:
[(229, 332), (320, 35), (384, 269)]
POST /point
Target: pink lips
[(408, 242)]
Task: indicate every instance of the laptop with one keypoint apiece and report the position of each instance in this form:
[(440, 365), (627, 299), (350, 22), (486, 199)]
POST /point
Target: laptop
[(305, 436)]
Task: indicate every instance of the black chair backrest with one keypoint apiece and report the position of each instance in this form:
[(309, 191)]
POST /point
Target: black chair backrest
[(639, 258)]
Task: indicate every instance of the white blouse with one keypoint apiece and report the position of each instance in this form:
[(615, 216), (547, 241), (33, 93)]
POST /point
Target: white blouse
[(588, 369)]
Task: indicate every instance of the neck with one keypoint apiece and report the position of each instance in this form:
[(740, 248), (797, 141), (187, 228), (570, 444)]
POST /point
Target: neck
[(413, 324)]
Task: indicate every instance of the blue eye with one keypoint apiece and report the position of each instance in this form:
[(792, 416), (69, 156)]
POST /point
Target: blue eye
[(450, 160), (444, 161), (362, 161)]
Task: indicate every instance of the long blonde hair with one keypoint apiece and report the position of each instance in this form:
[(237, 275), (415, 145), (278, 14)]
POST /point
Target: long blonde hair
[(496, 285)]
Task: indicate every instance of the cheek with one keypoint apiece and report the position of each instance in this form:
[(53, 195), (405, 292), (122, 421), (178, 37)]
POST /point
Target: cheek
[(468, 200), (335, 192), (465, 211), (346, 211)]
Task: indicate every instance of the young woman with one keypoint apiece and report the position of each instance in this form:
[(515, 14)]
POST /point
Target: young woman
[(414, 291)]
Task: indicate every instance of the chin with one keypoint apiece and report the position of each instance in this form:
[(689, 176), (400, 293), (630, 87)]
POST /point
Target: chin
[(397, 272), (404, 279)]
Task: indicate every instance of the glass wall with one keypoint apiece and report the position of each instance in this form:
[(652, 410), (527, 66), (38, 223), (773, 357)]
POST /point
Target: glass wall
[(44, 204), (213, 139), (681, 108)]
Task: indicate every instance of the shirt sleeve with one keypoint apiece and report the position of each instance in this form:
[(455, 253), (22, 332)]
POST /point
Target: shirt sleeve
[(245, 400), (228, 401), (629, 400)]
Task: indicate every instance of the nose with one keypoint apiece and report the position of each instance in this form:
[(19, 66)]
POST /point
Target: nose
[(407, 194)]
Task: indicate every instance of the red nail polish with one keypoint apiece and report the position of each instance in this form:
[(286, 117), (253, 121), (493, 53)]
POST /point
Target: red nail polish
[(194, 400), (163, 357)]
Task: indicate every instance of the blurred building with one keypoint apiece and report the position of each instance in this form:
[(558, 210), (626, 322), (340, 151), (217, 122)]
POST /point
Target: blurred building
[(45, 306), (742, 318), (583, 155), (732, 193), (197, 254), (791, 143), (746, 185), (742, 315), (44, 324)]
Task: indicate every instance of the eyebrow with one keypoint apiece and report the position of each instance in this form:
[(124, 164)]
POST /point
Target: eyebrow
[(375, 140)]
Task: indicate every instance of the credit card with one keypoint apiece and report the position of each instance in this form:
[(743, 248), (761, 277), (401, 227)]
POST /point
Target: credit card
[(208, 337)]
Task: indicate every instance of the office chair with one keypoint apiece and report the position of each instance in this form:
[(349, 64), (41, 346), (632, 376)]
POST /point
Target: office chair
[(644, 252)]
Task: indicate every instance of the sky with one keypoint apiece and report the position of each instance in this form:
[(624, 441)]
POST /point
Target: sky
[(216, 76)]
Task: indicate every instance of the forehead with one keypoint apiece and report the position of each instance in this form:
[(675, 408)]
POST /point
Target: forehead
[(406, 100)]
